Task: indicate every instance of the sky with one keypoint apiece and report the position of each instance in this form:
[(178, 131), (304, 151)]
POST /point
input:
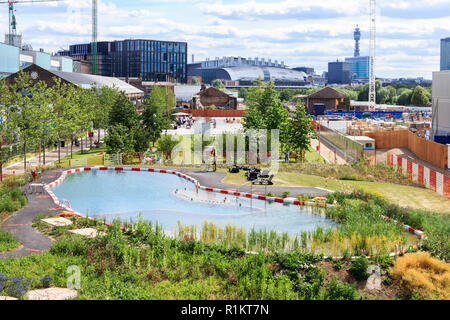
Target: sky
[(299, 32)]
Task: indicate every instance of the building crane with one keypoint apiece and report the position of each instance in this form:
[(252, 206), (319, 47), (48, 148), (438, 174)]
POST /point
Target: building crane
[(372, 79), (94, 36), (13, 25)]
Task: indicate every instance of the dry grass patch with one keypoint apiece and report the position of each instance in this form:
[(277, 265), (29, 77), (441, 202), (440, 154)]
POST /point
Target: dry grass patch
[(421, 273)]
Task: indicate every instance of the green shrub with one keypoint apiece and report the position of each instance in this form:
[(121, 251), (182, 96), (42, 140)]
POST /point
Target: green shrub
[(340, 291), (358, 268), (70, 245)]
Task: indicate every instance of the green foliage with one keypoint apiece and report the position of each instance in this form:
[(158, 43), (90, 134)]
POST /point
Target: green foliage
[(420, 97), (195, 81), (7, 242), (166, 144), (358, 268), (340, 291), (300, 131), (218, 84), (120, 139)]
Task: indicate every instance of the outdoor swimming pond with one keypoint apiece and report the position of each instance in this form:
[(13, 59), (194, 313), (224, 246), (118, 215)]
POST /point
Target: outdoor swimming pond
[(167, 199)]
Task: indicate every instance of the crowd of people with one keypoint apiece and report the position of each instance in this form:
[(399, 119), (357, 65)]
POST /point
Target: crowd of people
[(184, 122)]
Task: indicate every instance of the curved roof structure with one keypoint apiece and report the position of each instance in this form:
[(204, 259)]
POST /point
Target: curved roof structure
[(252, 73)]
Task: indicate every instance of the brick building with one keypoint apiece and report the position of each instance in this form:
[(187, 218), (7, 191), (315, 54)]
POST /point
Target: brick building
[(331, 98), (214, 97)]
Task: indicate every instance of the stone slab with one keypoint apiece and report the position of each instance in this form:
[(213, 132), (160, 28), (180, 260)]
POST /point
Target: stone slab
[(58, 222), (51, 294), (88, 232), (3, 298)]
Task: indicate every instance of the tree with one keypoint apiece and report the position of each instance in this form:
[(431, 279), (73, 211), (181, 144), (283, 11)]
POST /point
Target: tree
[(242, 93), (218, 84), (195, 81), (405, 97), (166, 144), (123, 112), (45, 130), (300, 130), (266, 112), (23, 111), (420, 97), (7, 128), (119, 139), (106, 97), (154, 116)]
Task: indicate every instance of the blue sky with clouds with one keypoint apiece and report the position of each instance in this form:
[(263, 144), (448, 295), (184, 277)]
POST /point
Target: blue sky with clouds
[(299, 32)]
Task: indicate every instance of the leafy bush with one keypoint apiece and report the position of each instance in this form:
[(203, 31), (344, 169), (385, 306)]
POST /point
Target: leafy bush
[(46, 281), (73, 245), (358, 268), (7, 242), (340, 291)]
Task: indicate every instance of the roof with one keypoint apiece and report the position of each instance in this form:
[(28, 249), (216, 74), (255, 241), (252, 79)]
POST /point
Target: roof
[(328, 93), (213, 92), (253, 73), (87, 81)]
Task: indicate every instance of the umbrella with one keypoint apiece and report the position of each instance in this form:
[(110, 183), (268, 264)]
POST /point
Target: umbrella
[(181, 114)]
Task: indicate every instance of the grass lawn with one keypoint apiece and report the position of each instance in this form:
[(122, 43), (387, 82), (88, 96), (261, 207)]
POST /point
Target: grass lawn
[(287, 179), (94, 157), (404, 196)]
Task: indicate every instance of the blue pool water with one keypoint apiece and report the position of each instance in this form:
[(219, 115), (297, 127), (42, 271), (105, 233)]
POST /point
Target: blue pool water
[(167, 198)]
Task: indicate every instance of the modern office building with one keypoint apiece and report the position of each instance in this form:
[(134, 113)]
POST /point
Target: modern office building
[(359, 67), (339, 72), (148, 60), (441, 107), (445, 54), (242, 72), (13, 58)]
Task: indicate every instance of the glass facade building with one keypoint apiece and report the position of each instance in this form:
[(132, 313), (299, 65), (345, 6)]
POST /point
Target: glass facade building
[(339, 72), (359, 67), (9, 59), (149, 60), (445, 54)]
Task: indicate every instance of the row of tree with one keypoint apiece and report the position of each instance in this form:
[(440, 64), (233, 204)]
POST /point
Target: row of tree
[(266, 112), (405, 95), (32, 113)]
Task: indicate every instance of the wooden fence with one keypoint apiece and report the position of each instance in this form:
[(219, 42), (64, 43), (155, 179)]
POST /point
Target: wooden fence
[(216, 113), (426, 150)]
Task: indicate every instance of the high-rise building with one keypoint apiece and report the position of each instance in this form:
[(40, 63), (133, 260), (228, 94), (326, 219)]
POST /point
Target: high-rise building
[(148, 60), (445, 54), (339, 72), (359, 67), (357, 37)]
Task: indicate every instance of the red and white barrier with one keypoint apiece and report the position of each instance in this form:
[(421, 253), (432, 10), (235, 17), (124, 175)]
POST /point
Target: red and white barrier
[(289, 201), (436, 181)]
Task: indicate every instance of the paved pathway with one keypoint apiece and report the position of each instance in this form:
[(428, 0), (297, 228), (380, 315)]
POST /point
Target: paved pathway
[(50, 156), (214, 180), (20, 224), (327, 151)]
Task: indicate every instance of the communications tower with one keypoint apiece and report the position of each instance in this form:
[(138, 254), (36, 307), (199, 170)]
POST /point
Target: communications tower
[(357, 36)]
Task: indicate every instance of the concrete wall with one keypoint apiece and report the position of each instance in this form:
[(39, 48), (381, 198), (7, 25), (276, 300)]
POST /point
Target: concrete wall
[(441, 106)]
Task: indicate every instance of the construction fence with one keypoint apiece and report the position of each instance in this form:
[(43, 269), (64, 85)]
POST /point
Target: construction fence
[(353, 150), (427, 150), (436, 181)]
